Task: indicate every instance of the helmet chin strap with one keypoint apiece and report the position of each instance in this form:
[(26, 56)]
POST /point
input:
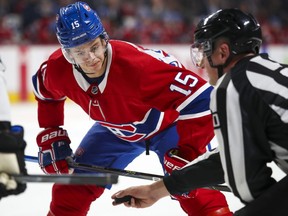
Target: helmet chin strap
[(220, 68)]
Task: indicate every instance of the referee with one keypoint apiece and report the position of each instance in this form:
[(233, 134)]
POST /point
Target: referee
[(250, 111), (249, 106)]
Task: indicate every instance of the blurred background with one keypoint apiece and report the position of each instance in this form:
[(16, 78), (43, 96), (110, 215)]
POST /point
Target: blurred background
[(27, 35), (139, 21)]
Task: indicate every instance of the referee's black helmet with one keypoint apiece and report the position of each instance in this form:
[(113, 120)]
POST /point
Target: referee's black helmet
[(242, 30)]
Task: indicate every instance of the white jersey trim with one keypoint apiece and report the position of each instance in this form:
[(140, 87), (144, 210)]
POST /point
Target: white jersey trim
[(193, 96)]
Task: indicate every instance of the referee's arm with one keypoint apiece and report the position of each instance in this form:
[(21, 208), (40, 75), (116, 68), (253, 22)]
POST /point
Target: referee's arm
[(205, 173)]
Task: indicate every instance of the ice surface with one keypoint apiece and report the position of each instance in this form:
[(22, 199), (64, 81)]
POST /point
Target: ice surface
[(35, 200)]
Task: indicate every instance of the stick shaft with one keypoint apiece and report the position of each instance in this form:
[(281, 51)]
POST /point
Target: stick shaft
[(94, 168), (127, 173), (31, 158), (95, 179)]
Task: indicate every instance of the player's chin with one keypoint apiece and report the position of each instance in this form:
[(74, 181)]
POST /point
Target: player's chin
[(90, 69)]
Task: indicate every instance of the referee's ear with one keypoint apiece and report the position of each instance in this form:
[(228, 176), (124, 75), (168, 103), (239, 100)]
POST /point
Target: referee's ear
[(224, 51), (221, 53)]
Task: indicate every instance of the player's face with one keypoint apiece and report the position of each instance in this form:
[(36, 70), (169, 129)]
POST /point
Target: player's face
[(90, 57)]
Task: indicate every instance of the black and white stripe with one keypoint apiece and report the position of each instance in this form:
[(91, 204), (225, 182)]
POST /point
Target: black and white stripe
[(251, 104)]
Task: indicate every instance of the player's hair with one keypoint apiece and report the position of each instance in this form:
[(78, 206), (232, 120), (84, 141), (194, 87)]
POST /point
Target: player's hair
[(77, 24), (242, 30)]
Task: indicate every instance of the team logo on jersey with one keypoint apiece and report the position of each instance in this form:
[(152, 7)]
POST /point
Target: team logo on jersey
[(125, 132), (94, 90)]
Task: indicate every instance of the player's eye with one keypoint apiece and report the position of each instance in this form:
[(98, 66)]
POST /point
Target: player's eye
[(94, 49), (80, 53)]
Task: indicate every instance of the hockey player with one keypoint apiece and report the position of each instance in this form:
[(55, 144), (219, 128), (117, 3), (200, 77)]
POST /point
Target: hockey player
[(139, 98), (249, 106), (12, 146)]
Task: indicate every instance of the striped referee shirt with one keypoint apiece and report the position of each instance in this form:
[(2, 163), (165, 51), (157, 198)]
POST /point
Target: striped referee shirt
[(250, 112)]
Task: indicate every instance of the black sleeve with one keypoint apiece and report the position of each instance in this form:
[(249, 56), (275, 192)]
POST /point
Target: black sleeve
[(271, 202), (205, 173)]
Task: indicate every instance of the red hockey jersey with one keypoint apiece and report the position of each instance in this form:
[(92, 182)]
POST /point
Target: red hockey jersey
[(143, 92)]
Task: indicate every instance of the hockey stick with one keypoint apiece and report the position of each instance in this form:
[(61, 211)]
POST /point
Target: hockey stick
[(99, 179), (120, 172), (95, 179), (93, 168), (127, 173), (31, 158)]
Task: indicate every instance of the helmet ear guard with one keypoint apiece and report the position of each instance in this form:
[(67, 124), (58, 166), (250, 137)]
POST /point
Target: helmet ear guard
[(105, 37)]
